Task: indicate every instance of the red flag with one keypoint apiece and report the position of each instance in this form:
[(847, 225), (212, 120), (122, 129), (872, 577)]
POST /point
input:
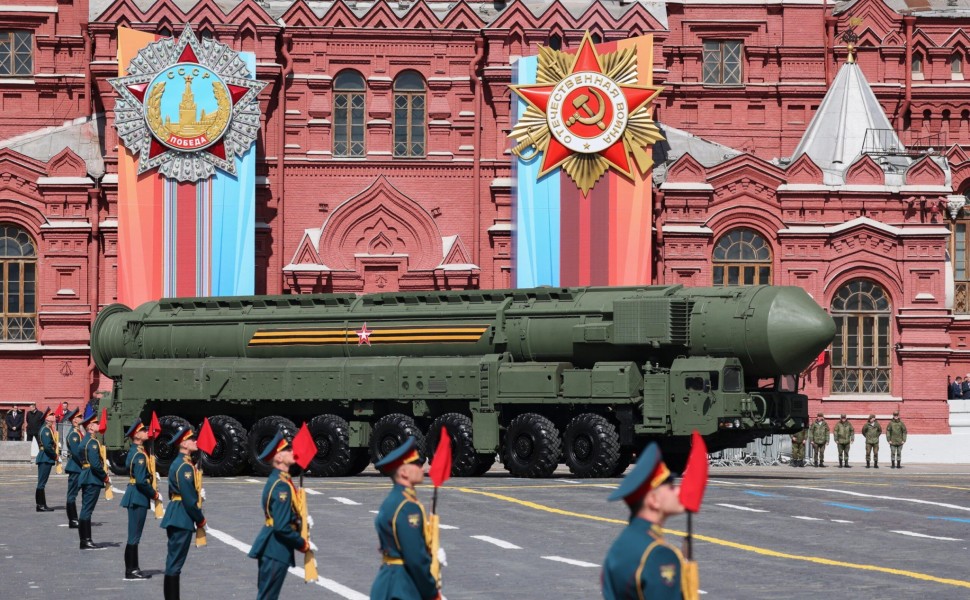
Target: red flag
[(103, 424), (304, 448), (820, 360), (206, 439), (695, 475), (440, 469), (59, 413), (154, 428)]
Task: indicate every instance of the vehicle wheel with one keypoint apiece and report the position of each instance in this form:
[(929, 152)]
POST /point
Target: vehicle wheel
[(591, 446), (165, 454), (483, 462), (624, 461), (228, 458), (464, 459), (391, 431), (261, 434), (116, 462), (532, 446), (359, 461), (331, 434)]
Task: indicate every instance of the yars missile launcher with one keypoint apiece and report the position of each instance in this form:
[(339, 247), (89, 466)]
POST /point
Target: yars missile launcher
[(586, 376)]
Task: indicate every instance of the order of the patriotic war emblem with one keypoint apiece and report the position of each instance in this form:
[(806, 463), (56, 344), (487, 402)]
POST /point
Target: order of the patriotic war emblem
[(186, 107)]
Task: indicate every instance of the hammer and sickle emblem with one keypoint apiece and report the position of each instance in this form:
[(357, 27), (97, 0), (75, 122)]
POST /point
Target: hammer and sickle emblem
[(581, 103)]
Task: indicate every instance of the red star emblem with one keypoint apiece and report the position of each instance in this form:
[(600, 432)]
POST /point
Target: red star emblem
[(363, 335), (587, 111)]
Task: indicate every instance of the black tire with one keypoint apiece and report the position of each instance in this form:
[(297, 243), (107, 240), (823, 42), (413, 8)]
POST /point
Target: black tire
[(591, 446), (625, 460), (359, 461), (261, 434), (228, 458), (165, 454), (331, 434), (391, 431), (532, 446), (464, 459), (484, 462), (116, 462)]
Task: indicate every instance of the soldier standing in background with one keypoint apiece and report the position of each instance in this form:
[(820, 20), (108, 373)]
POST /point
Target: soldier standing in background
[(73, 467), (844, 436), (798, 447), (46, 459), (94, 476), (872, 430), (819, 434), (896, 436)]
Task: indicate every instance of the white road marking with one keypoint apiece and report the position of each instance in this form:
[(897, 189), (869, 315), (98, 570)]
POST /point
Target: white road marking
[(607, 486), (61, 525), (337, 588), (346, 501), (568, 481), (251, 480), (735, 506), (929, 537), (571, 561), (312, 492), (806, 518), (913, 500), (841, 521), (497, 542), (372, 511), (442, 525), (116, 490)]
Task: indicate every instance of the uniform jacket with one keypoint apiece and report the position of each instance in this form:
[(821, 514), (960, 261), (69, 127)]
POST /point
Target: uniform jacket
[(641, 564), (47, 440), (844, 433), (95, 473), (819, 433), (872, 431), (141, 480), (184, 510), (400, 529), (896, 433), (74, 458), (35, 420), (799, 436), (280, 534)]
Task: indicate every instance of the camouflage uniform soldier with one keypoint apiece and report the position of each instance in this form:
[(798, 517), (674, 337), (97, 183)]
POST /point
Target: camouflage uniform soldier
[(798, 447), (872, 430), (819, 434), (896, 436), (844, 436)]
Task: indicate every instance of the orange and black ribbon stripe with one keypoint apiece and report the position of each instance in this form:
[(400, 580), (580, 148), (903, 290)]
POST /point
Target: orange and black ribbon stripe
[(407, 334)]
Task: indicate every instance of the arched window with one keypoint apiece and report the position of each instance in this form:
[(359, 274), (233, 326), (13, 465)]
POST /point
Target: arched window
[(956, 66), (860, 351), (18, 281), (555, 41), (409, 115), (917, 66), (348, 114), (596, 38), (960, 259), (742, 257)]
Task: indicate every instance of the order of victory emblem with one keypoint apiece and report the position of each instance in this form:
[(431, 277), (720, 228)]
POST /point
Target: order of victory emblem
[(586, 114), (186, 107)]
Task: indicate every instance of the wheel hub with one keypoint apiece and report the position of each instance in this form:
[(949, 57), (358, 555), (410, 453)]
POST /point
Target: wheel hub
[(582, 447), (524, 446)]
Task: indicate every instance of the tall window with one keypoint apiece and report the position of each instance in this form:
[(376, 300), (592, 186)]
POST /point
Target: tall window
[(742, 257), (961, 264), (956, 66), (860, 351), (722, 62), (917, 66), (18, 269), (409, 115), (348, 114), (16, 53)]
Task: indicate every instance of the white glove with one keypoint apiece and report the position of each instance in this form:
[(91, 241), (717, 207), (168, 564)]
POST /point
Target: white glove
[(157, 477), (442, 557), (313, 547), (202, 494), (309, 521)]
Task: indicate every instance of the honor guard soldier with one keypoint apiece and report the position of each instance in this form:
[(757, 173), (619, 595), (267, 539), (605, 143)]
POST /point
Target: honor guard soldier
[(871, 431), (74, 461), (819, 434), (93, 478), (798, 447), (405, 547), (844, 435), (46, 459), (183, 515), (280, 534), (640, 563), (896, 436), (138, 496)]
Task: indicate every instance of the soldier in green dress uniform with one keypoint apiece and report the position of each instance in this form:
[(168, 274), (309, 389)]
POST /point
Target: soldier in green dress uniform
[(138, 496), (183, 515), (93, 478), (280, 535), (46, 459), (640, 563), (871, 431), (73, 467), (896, 436), (405, 548), (844, 434)]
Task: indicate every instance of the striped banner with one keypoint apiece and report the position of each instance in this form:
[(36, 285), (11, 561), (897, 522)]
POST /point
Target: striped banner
[(560, 237), (184, 239)]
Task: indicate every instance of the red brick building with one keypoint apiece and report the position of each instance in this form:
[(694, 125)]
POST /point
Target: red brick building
[(383, 164)]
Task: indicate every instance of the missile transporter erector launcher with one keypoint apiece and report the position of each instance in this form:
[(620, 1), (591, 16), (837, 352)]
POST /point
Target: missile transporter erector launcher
[(584, 376)]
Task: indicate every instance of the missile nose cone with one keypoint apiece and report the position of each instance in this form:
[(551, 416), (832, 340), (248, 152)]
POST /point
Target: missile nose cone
[(798, 329)]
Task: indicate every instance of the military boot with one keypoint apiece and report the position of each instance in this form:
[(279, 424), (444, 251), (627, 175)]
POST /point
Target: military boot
[(840, 463), (72, 515), (899, 464), (875, 464), (171, 587), (132, 572), (41, 497), (868, 464), (84, 527)]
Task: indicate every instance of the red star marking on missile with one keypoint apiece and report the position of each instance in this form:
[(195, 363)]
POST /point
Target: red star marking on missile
[(363, 335), (588, 61)]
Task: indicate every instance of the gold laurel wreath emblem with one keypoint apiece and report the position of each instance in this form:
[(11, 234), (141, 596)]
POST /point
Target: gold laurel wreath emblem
[(215, 122)]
